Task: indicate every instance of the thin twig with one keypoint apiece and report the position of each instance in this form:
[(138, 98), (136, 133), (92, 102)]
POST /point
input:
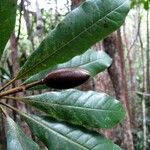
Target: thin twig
[(20, 88), (3, 111), (143, 94), (20, 13)]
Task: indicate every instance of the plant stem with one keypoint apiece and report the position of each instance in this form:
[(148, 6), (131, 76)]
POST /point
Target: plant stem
[(10, 107), (7, 84), (144, 123), (13, 98), (20, 88), (3, 111)]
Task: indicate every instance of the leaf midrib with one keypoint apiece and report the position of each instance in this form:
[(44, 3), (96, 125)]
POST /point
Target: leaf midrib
[(76, 107), (84, 64), (71, 40), (58, 133)]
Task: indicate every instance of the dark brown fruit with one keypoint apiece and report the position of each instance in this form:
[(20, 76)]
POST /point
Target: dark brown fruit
[(66, 78)]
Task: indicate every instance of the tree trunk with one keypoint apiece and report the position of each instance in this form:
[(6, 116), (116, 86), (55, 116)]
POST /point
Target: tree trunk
[(14, 64), (144, 111), (40, 25), (75, 3), (113, 46), (29, 23)]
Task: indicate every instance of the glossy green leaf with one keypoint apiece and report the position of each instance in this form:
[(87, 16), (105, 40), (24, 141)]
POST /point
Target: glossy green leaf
[(16, 138), (60, 136), (83, 27), (7, 21), (93, 61), (88, 108)]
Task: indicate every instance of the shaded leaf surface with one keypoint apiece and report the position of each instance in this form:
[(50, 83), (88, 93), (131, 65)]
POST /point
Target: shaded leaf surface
[(90, 108), (16, 139), (56, 135), (92, 61), (83, 27), (7, 21)]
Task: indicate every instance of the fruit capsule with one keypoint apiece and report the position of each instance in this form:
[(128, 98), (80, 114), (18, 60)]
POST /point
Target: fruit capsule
[(66, 78)]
